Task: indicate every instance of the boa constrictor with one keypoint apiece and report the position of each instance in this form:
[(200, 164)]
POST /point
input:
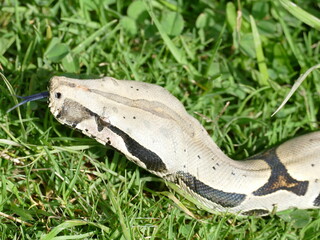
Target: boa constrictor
[(152, 129)]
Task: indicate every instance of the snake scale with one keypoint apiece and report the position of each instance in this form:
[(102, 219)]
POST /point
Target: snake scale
[(152, 129)]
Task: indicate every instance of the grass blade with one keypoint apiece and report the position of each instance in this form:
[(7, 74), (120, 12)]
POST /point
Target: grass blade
[(178, 55), (301, 14), (264, 76), (66, 225), (295, 87), (293, 46), (90, 39)]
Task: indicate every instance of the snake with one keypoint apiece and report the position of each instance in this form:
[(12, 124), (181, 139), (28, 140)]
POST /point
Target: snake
[(152, 128)]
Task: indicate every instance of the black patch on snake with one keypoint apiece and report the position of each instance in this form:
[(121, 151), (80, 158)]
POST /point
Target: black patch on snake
[(279, 179), (225, 199), (255, 212), (150, 159), (316, 202), (101, 124), (73, 112)]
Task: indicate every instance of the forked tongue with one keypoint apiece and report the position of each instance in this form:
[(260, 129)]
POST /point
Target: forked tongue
[(30, 98)]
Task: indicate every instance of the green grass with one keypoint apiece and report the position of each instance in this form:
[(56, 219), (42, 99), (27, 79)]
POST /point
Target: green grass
[(234, 69)]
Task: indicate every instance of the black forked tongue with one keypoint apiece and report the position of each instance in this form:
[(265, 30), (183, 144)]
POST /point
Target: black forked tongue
[(30, 98)]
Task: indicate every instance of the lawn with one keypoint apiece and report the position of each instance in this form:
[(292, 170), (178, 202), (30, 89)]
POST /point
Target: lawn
[(230, 63)]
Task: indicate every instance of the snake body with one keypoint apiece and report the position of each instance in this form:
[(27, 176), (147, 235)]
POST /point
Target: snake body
[(152, 128)]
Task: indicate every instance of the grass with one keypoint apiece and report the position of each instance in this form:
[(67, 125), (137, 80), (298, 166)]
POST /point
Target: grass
[(231, 62)]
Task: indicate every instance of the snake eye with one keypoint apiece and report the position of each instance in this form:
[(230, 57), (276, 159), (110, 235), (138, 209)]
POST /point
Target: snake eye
[(57, 95)]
